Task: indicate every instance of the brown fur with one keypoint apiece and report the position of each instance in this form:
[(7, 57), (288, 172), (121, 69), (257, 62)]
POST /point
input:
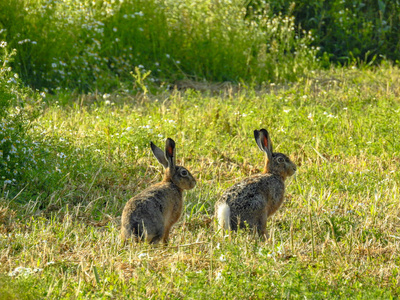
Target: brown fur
[(150, 215), (251, 201)]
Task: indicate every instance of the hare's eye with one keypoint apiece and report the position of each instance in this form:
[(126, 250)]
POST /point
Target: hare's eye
[(280, 160), (184, 173)]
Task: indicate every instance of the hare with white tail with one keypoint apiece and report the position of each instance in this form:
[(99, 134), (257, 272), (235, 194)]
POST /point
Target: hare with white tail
[(150, 215), (252, 200)]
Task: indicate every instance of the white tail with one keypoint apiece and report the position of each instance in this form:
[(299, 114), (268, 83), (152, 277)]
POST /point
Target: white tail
[(224, 214)]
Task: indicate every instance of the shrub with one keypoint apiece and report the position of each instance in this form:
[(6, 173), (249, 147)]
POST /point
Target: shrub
[(344, 30), (18, 106)]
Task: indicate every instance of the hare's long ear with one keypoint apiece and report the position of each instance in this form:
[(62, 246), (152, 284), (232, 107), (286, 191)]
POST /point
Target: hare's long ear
[(265, 140), (264, 143), (170, 153), (159, 154)]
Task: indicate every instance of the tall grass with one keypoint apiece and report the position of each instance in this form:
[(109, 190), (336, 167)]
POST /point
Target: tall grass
[(94, 45)]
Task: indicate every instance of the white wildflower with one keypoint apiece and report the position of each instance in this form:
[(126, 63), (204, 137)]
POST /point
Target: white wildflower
[(219, 276)]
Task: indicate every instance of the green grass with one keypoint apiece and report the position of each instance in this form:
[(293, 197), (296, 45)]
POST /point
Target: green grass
[(336, 236), (94, 45)]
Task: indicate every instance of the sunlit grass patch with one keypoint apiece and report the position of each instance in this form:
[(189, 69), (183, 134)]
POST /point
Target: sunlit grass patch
[(336, 235)]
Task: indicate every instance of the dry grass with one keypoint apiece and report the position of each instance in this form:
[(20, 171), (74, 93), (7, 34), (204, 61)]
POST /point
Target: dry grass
[(337, 235)]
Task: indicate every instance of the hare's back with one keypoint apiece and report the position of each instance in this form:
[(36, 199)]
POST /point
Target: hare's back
[(154, 198), (253, 191)]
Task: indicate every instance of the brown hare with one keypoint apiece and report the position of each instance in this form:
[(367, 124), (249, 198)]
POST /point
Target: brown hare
[(150, 215), (252, 200)]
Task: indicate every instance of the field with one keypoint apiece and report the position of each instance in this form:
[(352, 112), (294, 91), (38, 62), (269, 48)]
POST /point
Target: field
[(337, 235), (86, 85)]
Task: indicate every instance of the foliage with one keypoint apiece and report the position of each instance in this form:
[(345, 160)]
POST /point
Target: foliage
[(18, 107), (94, 45), (362, 30)]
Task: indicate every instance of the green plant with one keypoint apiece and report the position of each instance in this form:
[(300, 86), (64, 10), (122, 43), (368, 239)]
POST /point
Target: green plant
[(99, 43)]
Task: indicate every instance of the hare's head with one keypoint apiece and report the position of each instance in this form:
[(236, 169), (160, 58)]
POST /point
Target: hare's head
[(176, 174), (275, 163)]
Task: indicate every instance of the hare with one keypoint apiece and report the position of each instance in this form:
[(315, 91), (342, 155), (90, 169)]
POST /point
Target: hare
[(150, 215), (255, 198)]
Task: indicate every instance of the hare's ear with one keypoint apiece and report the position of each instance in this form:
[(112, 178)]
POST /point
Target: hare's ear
[(264, 143), (265, 140), (257, 138), (170, 153), (159, 154)]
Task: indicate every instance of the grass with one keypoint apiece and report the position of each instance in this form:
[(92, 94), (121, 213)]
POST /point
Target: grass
[(337, 235), (98, 43)]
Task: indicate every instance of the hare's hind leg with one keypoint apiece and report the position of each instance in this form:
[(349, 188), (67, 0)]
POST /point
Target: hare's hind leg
[(262, 228), (156, 234), (155, 239)]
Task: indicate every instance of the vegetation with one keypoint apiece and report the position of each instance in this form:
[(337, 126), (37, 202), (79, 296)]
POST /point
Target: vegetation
[(93, 45), (336, 236), (74, 151), (361, 30)]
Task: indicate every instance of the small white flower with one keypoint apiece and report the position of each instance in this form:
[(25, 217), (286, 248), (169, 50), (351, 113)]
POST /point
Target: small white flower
[(7, 181), (167, 55), (3, 44), (143, 255), (219, 276), (222, 258), (13, 149), (115, 29), (54, 65), (37, 270), (61, 155)]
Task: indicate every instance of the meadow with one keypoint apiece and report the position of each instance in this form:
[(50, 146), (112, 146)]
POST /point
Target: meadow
[(336, 236), (76, 121)]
